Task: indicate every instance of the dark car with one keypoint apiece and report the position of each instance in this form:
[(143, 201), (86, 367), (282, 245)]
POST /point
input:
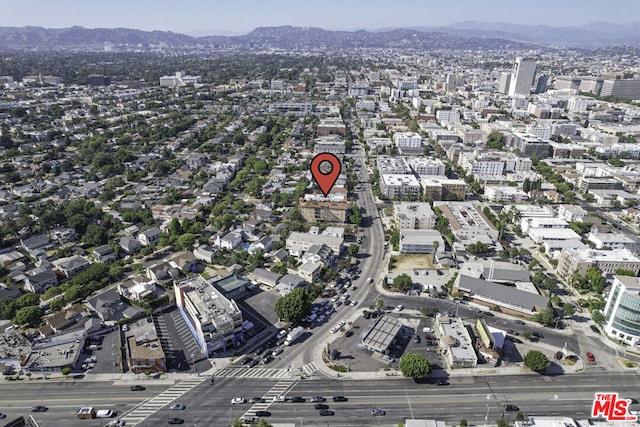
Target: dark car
[(518, 322), (377, 411), (297, 399), (510, 407), (175, 421), (340, 399), (3, 416), (512, 332), (256, 400), (253, 363), (246, 361), (537, 334), (488, 313), (39, 408), (321, 406), (416, 339), (267, 359), (326, 413), (137, 388), (442, 382), (263, 414), (595, 329)]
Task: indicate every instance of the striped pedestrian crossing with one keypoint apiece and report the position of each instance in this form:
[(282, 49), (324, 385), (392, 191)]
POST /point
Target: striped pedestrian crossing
[(242, 372), (153, 405), (309, 368)]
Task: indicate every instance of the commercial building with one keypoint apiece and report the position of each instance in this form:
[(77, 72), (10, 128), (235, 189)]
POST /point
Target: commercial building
[(414, 215), (301, 242), (621, 88), (574, 261), (397, 185), (144, 349), (622, 311), (178, 80), (522, 76), (214, 321), (456, 343), (325, 211), (295, 108), (331, 127), (382, 332)]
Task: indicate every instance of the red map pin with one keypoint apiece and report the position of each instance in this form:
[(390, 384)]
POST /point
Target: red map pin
[(325, 168)]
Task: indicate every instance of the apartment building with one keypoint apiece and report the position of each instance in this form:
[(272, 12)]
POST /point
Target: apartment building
[(427, 166), (504, 194), (324, 211), (329, 144), (407, 140), (443, 188), (298, 242), (420, 241), (466, 220), (295, 108), (573, 261), (448, 116), (214, 321), (414, 215), (392, 165), (396, 185)]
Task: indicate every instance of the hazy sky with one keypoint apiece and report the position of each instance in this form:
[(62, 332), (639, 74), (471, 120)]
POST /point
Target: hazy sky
[(241, 16)]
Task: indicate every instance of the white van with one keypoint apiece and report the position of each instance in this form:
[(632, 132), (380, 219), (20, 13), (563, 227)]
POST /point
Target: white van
[(105, 413)]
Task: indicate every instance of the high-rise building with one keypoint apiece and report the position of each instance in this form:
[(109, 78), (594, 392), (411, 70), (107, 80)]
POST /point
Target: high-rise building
[(504, 82), (627, 88), (524, 71)]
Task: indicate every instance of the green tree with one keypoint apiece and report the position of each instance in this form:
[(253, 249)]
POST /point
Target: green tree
[(379, 304), (95, 235), (545, 317), (463, 423), (536, 361), (293, 306), (402, 282), (175, 229), (353, 249), (597, 317), (28, 315), (415, 365), (568, 310), (65, 371), (186, 241), (26, 300)]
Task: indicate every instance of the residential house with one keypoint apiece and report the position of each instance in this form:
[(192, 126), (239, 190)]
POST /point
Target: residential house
[(229, 240), (71, 266), (281, 255), (162, 271), (265, 243), (35, 245), (64, 320), (289, 282), (110, 308), (129, 245), (184, 261), (319, 253), (150, 236), (310, 271), (105, 254), (137, 288), (205, 253), (40, 282), (266, 277)]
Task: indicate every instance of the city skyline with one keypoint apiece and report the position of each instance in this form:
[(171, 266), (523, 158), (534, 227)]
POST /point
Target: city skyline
[(200, 17)]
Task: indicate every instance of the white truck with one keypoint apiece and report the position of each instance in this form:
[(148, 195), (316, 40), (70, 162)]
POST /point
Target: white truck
[(294, 335)]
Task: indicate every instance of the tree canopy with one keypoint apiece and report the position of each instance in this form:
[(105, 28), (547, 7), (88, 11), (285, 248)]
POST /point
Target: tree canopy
[(415, 365), (293, 306), (536, 361)]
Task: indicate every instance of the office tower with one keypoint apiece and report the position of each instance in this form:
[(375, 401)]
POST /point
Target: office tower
[(524, 71), (504, 82), (541, 83)]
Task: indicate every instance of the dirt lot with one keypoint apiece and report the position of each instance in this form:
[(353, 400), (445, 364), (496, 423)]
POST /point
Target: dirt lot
[(409, 262)]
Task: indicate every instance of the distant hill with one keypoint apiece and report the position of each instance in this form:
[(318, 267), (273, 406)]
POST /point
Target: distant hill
[(595, 34), (285, 37), (461, 35)]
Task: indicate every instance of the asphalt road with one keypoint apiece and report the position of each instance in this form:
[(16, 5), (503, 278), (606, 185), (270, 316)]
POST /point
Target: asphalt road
[(466, 398)]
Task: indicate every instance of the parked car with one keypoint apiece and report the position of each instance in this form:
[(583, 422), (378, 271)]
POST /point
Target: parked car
[(335, 329), (518, 322), (281, 334), (238, 400), (177, 406), (377, 411), (320, 319), (388, 358), (277, 351), (594, 329), (590, 357), (442, 382), (399, 307), (537, 334), (510, 407), (354, 303), (416, 339), (252, 363)]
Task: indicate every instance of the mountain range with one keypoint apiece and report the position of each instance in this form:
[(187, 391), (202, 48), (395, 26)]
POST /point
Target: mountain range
[(463, 35)]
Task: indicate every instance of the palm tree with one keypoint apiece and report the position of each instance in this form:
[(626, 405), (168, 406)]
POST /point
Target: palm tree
[(436, 245)]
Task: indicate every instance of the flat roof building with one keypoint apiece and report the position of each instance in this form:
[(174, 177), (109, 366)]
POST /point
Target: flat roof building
[(456, 343), (622, 311), (144, 349), (396, 185), (414, 215), (214, 321), (574, 261), (466, 220), (382, 332)]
